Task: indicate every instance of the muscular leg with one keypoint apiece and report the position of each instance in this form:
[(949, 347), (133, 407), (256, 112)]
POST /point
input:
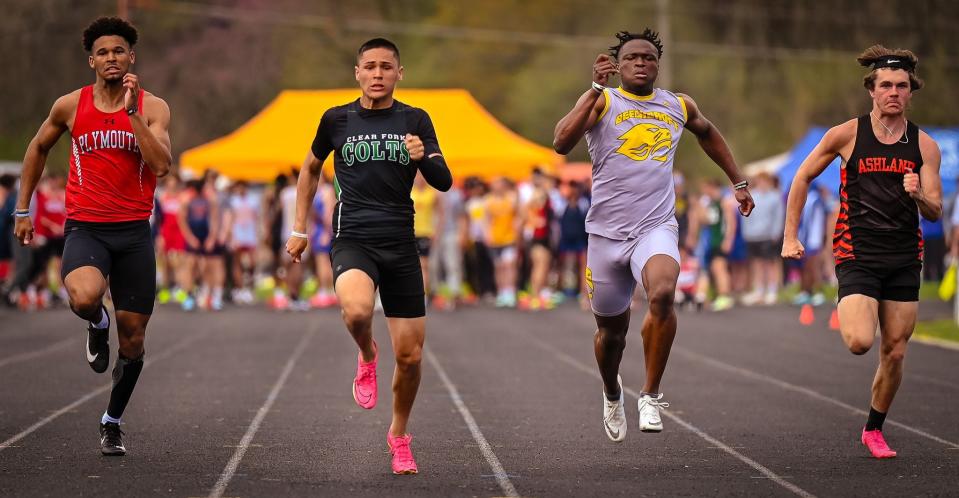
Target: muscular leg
[(355, 291), (858, 316), (608, 344), (897, 321), (659, 325), (407, 335), (85, 289)]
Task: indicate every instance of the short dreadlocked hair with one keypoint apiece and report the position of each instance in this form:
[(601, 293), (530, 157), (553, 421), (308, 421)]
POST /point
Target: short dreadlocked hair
[(107, 26), (647, 34)]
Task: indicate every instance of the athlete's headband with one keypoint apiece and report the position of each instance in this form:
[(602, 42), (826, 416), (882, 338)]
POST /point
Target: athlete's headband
[(892, 62)]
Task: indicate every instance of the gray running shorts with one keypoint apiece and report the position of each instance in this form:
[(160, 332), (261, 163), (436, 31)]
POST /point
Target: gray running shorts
[(614, 266)]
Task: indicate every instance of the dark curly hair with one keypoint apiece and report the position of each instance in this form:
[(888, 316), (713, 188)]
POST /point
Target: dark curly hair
[(106, 26), (647, 34)]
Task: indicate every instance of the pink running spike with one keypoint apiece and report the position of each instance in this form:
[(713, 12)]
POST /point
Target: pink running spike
[(364, 384), (877, 444), (403, 462)]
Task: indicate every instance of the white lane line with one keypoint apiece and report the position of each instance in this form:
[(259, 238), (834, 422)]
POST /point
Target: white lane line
[(933, 341), (96, 392), (804, 390), (592, 371), (33, 354), (220, 487), (501, 477)]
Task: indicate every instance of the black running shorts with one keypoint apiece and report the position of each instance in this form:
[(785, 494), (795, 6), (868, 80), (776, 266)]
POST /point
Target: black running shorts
[(879, 281), (123, 252), (394, 268)]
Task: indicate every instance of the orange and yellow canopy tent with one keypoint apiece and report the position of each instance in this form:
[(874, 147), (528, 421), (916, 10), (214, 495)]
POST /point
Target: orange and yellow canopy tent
[(278, 138)]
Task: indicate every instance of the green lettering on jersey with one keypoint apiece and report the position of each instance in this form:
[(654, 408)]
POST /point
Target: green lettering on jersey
[(347, 153), (378, 154), (404, 154), (392, 146), (362, 151)]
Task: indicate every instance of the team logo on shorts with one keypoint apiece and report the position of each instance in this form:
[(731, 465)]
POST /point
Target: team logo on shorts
[(646, 141), (589, 283)]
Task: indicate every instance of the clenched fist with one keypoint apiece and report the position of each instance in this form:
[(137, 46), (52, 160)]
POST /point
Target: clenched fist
[(793, 249), (415, 147), (604, 66), (132, 84), (910, 182)]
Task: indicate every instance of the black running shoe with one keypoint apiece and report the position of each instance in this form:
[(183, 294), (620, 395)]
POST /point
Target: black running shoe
[(111, 440), (98, 348)]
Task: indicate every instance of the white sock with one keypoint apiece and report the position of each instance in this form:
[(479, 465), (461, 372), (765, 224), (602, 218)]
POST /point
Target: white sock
[(104, 320), (106, 418)]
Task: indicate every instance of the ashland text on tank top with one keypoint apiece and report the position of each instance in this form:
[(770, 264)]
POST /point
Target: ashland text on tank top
[(632, 147), (878, 221), (108, 180)]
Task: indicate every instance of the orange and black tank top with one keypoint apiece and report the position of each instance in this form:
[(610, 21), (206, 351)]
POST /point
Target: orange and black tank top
[(878, 221)]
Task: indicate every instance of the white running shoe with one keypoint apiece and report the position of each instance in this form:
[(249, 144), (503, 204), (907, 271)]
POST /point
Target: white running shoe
[(649, 419), (614, 415)]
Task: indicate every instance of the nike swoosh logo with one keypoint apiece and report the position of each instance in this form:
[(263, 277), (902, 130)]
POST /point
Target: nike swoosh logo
[(613, 433), (90, 356)]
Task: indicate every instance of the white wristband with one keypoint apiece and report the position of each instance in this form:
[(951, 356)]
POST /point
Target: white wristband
[(599, 88), (299, 235)]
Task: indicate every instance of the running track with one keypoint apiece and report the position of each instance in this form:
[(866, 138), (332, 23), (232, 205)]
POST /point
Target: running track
[(254, 403)]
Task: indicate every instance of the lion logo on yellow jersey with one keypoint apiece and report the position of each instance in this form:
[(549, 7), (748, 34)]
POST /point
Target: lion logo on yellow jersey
[(646, 141)]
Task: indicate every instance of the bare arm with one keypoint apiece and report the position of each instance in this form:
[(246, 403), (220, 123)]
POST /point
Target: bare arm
[(715, 146), (928, 194), (36, 158), (153, 135), (306, 186), (584, 115), (836, 142)]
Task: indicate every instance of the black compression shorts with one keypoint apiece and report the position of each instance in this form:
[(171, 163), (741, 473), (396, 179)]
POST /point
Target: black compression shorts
[(123, 252), (882, 282), (394, 268)]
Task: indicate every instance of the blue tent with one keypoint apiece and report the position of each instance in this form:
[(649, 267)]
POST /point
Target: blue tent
[(947, 138)]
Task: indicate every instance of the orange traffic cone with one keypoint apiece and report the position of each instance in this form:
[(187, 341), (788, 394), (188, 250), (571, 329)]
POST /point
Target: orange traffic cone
[(834, 320), (806, 316)]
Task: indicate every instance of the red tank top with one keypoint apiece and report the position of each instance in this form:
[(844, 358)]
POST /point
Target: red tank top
[(50, 211), (108, 180)]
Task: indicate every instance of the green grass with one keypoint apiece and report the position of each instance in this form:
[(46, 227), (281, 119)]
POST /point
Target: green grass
[(946, 330)]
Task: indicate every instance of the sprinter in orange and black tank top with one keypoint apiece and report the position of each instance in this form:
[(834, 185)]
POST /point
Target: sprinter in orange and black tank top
[(890, 174), (120, 145)]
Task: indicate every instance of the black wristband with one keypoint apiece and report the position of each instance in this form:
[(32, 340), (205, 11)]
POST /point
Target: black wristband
[(131, 111)]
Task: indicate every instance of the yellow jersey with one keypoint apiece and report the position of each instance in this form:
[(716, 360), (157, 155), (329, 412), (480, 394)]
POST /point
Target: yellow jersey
[(501, 212), (424, 204)]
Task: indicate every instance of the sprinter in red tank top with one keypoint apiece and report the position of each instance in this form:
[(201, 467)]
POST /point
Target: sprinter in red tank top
[(120, 146), (890, 174)]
